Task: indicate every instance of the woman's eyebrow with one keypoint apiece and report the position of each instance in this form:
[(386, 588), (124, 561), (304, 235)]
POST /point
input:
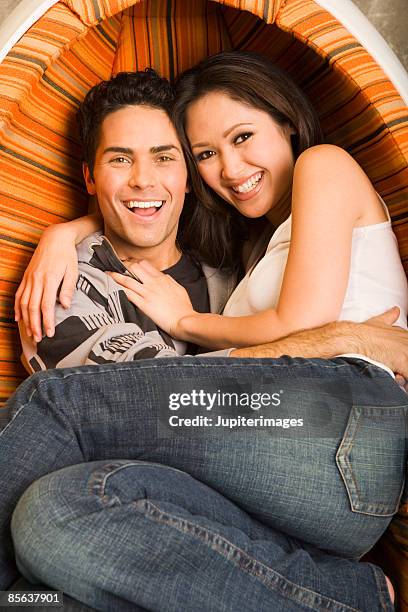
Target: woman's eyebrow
[(225, 134)]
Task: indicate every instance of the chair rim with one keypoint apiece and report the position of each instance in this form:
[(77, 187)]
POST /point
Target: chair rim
[(346, 12)]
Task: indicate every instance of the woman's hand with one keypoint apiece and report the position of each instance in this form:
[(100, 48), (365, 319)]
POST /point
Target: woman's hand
[(158, 295), (54, 260)]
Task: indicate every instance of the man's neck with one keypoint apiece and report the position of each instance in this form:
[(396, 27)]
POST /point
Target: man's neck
[(163, 263), (161, 256)]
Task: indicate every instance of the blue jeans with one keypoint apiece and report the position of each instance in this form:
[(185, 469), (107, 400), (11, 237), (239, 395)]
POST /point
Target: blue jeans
[(335, 488)]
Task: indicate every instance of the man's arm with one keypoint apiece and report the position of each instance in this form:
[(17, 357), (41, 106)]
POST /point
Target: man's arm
[(375, 338)]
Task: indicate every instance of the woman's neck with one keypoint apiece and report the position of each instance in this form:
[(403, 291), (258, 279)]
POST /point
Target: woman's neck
[(281, 211)]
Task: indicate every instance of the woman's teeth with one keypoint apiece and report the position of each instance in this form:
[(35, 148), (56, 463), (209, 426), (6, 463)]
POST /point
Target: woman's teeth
[(136, 204), (249, 184)]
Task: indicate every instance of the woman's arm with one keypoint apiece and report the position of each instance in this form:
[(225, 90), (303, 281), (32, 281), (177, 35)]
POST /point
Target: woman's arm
[(53, 261), (330, 195)]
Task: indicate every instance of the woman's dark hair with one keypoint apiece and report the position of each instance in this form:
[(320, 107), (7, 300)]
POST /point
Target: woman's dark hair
[(253, 80)]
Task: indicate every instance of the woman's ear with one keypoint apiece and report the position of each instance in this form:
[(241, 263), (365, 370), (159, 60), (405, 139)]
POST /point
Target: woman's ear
[(89, 181)]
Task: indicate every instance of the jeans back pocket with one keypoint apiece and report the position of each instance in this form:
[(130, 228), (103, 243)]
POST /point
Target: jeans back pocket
[(372, 459)]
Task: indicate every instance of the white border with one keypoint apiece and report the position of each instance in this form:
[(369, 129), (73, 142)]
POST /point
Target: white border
[(29, 11), (358, 25), (19, 21)]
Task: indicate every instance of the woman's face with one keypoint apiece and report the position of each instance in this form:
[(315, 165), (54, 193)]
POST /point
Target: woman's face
[(241, 153)]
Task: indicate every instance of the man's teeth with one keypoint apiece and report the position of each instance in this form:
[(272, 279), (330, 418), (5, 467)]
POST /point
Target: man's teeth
[(137, 204), (249, 184)]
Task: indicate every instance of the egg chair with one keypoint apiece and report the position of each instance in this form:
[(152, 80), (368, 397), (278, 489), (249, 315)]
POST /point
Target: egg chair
[(52, 52)]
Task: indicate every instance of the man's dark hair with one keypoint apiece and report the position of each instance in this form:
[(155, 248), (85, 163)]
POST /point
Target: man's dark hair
[(143, 88)]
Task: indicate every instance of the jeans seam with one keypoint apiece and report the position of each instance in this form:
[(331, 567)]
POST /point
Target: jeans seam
[(382, 588), (98, 479), (154, 513), (346, 471), (35, 390), (234, 363), (161, 363)]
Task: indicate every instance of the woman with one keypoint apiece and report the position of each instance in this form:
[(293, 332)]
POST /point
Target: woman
[(253, 147)]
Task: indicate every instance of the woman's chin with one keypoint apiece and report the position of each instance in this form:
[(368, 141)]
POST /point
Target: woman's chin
[(251, 210)]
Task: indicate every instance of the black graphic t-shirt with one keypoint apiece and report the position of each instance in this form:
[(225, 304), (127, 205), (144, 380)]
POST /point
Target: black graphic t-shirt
[(102, 325)]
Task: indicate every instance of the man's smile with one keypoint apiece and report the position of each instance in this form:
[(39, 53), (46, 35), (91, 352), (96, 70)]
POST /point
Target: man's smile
[(143, 204), (147, 210)]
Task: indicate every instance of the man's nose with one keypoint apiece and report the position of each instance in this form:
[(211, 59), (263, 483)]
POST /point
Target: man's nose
[(232, 166), (141, 176)]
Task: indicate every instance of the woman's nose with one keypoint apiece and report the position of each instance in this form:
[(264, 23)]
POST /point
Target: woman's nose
[(231, 166)]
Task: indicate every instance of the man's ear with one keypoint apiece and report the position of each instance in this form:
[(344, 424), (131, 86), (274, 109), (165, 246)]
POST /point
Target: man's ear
[(89, 182), (188, 187)]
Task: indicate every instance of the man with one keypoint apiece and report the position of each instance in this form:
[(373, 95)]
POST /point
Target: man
[(143, 531), (135, 167)]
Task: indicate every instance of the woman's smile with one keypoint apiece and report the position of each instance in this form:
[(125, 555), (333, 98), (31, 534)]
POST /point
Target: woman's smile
[(248, 188)]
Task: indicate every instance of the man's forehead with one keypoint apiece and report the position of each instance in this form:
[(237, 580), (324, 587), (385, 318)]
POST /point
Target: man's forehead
[(139, 126)]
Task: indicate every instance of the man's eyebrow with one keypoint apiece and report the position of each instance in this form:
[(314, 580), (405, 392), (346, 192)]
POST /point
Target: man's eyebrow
[(124, 150), (166, 147), (129, 151), (230, 129)]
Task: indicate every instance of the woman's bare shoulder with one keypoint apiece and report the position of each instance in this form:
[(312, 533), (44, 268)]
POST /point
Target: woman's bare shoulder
[(327, 156), (330, 167), (327, 173)]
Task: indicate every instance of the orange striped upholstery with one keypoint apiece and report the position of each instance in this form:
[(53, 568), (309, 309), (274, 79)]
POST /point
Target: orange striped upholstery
[(79, 42), (169, 43)]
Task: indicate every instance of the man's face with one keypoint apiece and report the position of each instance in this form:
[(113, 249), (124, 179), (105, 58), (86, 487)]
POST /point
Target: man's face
[(140, 180)]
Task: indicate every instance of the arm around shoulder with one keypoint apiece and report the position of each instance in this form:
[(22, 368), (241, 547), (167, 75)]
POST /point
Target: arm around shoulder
[(54, 263)]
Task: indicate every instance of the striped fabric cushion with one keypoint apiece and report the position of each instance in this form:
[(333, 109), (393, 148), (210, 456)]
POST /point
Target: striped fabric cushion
[(42, 81), (77, 43), (170, 43)]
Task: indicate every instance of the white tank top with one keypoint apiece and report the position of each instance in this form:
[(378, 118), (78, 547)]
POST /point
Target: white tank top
[(377, 279)]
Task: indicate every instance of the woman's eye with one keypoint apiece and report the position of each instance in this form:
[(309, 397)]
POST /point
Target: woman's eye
[(204, 155), (242, 137)]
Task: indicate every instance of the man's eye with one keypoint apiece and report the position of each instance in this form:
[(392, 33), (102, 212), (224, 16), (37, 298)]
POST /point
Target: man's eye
[(164, 158), (242, 137), (204, 155), (120, 160)]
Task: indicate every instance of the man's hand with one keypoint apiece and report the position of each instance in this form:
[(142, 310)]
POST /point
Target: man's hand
[(380, 340), (376, 338)]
